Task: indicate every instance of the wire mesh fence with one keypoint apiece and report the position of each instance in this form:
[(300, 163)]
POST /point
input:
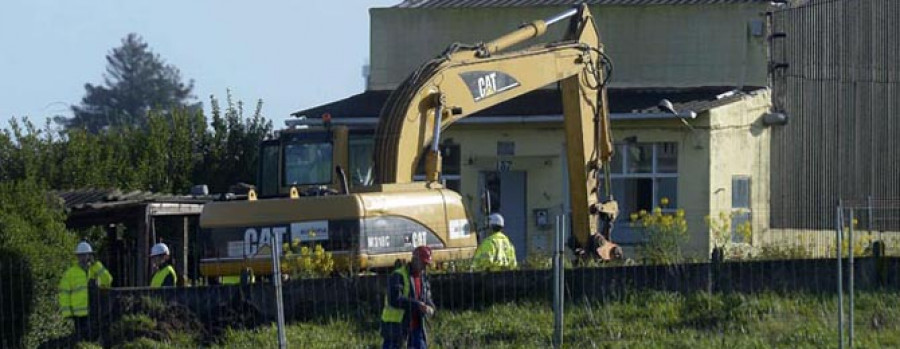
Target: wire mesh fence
[(706, 299), (765, 276)]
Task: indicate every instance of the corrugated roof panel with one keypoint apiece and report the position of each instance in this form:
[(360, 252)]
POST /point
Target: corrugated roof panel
[(95, 198)]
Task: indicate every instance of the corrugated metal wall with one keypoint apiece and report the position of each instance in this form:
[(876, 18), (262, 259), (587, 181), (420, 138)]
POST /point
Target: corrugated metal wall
[(841, 91)]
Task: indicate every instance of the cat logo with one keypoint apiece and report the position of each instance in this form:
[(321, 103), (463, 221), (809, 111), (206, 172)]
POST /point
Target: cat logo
[(487, 85), (484, 84)]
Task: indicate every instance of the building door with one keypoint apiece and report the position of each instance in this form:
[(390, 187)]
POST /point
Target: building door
[(506, 191)]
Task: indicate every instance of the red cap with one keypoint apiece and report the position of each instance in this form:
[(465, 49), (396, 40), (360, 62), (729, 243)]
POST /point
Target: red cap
[(423, 253)]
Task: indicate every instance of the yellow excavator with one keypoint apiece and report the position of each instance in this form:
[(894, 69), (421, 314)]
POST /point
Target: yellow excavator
[(305, 193)]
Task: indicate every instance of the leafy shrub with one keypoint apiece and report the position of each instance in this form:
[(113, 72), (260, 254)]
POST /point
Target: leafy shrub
[(783, 252), (149, 319), (720, 229), (665, 233), (457, 266), (305, 262), (37, 246), (862, 244)]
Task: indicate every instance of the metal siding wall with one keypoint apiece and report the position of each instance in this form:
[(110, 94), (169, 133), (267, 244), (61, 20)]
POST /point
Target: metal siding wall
[(840, 92)]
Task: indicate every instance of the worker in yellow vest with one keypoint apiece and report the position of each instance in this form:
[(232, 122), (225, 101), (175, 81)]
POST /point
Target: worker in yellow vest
[(73, 290), (407, 303), (496, 252), (164, 274)]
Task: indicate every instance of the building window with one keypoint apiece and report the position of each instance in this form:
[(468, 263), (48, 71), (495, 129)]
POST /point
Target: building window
[(642, 174), (740, 209)]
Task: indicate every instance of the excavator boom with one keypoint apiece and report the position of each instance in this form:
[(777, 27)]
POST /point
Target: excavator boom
[(465, 80), (371, 226)]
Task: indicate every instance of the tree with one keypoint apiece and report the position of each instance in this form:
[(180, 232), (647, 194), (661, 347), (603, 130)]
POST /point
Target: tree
[(231, 149), (136, 80)]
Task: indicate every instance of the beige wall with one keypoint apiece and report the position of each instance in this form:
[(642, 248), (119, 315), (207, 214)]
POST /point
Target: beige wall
[(725, 141), (538, 149), (693, 169), (739, 145), (668, 46), (538, 152)]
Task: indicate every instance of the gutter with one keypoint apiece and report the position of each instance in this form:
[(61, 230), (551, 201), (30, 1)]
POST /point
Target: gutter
[(492, 120)]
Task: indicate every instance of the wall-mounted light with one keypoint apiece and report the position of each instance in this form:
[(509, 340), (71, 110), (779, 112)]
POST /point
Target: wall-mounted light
[(667, 106), (775, 119)]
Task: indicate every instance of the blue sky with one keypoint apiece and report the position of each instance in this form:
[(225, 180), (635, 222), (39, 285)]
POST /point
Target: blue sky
[(291, 54)]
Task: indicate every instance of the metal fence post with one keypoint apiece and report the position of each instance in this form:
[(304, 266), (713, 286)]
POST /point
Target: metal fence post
[(558, 270), (276, 278), (839, 220), (851, 249)]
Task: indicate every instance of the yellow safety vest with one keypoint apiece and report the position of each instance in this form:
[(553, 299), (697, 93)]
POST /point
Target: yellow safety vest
[(496, 252), (391, 314), (73, 288), (161, 275)]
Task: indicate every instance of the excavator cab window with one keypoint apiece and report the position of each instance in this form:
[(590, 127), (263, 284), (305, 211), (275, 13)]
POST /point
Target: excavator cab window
[(361, 147), (268, 169), (308, 159)]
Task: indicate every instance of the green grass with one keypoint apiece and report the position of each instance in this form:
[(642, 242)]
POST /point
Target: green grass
[(641, 320)]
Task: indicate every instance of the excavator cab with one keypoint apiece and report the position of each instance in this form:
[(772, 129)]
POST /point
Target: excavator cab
[(304, 159)]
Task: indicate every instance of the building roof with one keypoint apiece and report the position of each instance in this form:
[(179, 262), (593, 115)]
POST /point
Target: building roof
[(537, 3), (88, 199), (548, 102)]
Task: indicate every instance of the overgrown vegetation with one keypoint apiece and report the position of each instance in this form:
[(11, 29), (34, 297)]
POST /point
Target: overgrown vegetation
[(175, 149), (724, 238), (637, 320), (665, 234), (35, 249), (150, 319), (305, 261)]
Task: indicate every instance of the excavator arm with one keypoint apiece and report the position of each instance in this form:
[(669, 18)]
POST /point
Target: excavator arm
[(467, 79)]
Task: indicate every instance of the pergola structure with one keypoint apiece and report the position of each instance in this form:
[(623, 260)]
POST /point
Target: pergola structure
[(146, 217)]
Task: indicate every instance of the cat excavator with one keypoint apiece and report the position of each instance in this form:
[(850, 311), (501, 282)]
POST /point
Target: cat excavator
[(371, 225)]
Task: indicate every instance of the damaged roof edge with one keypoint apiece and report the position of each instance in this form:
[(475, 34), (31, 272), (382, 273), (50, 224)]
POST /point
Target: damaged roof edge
[(623, 102)]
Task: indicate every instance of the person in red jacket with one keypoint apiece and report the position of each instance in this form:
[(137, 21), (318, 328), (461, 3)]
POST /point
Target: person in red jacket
[(407, 303)]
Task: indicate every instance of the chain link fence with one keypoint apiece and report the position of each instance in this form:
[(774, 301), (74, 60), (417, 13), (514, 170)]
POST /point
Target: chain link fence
[(775, 277), (757, 299)]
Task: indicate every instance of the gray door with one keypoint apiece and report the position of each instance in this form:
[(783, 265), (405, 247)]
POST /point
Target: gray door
[(507, 196), (512, 207)]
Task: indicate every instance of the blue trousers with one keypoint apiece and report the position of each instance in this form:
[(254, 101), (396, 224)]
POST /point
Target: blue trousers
[(415, 340)]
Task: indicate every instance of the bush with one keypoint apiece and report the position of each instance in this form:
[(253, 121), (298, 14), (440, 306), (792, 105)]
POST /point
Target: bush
[(305, 262), (783, 252), (720, 229), (37, 246), (13, 325), (150, 320), (665, 233)]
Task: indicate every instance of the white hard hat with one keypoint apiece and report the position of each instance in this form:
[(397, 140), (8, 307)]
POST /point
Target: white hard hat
[(83, 248), (159, 249), (496, 219)]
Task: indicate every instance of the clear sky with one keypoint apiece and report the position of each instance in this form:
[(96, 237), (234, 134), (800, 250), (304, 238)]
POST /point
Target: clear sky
[(292, 54)]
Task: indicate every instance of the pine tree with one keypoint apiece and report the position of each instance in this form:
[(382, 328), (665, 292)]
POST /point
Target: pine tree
[(136, 81)]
